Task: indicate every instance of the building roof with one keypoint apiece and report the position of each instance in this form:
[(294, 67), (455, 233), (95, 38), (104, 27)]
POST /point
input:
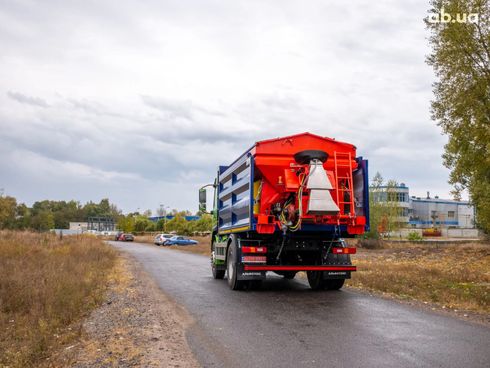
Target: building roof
[(439, 200)]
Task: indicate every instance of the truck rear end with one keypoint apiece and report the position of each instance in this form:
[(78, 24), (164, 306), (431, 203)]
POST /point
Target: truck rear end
[(285, 206)]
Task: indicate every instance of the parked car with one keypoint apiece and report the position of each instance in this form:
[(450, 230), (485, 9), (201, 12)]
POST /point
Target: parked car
[(180, 240), (118, 234), (161, 239), (125, 237)]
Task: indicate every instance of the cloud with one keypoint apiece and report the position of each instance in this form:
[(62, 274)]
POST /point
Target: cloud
[(142, 101), (29, 100)]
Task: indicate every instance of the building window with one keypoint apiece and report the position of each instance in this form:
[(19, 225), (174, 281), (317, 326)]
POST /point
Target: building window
[(450, 214)]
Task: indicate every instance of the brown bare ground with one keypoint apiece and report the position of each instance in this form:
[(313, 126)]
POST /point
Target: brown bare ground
[(47, 285)]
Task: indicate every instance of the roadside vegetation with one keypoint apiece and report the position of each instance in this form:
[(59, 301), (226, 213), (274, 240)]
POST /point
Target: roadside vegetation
[(45, 215), (47, 285), (452, 276), (178, 224)]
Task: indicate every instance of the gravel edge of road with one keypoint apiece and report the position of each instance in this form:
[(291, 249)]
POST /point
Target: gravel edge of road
[(138, 325)]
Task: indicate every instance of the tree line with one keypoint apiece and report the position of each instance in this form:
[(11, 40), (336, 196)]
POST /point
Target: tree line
[(47, 214), (138, 223)]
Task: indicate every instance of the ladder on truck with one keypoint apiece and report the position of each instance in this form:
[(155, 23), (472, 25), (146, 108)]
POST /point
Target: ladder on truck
[(339, 159)]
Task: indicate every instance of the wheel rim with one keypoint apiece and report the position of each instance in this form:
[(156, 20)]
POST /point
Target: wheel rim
[(230, 266)]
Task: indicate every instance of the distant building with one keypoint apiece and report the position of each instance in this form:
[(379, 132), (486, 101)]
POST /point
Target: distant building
[(78, 226), (397, 196), (426, 212), (101, 224), (429, 212), (170, 217)]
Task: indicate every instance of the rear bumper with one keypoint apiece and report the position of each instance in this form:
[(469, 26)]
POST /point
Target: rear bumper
[(298, 268)]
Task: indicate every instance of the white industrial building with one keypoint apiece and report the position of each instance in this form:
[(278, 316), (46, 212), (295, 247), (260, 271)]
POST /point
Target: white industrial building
[(78, 226), (428, 212), (437, 212)]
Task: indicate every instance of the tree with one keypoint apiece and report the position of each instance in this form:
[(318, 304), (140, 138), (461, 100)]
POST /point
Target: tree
[(8, 206), (461, 61), (384, 209), (43, 221), (126, 224), (179, 225)]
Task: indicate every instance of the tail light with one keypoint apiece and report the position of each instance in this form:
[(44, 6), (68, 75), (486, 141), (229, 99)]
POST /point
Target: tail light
[(260, 250), (344, 250), (254, 259)]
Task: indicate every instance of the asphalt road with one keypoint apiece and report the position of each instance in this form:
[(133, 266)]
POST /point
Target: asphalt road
[(285, 324)]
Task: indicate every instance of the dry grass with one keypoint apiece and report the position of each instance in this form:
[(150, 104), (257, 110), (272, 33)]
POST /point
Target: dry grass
[(456, 276), (46, 286), (203, 247)]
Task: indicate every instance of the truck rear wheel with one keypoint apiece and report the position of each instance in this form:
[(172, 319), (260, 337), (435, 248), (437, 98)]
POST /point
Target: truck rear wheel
[(289, 275), (334, 284), (231, 269), (218, 274), (315, 279)]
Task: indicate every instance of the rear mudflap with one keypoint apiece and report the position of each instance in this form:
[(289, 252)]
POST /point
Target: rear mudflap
[(328, 275), (249, 275)]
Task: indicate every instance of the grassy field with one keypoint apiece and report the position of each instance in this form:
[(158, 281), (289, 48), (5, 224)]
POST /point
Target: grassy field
[(46, 286), (452, 276)]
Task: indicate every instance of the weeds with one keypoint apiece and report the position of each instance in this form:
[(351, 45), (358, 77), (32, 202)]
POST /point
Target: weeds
[(47, 285)]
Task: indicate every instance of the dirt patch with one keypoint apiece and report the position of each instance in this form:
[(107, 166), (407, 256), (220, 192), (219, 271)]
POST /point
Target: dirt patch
[(137, 326)]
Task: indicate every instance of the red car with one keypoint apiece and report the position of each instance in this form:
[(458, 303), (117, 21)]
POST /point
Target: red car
[(124, 237)]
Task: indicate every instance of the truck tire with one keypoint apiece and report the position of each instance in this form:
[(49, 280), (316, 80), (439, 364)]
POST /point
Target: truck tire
[(304, 157), (231, 269), (254, 284), (315, 279), (289, 275), (217, 274), (334, 284)]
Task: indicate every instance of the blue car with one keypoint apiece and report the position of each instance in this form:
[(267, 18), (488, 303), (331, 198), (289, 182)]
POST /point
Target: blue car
[(180, 240)]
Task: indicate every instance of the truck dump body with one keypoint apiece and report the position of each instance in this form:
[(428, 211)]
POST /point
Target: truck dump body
[(268, 174), (284, 206)]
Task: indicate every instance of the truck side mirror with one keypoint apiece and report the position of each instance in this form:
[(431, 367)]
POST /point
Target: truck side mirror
[(202, 199)]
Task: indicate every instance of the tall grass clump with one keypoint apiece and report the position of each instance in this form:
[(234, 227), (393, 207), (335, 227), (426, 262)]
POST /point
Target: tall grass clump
[(47, 285)]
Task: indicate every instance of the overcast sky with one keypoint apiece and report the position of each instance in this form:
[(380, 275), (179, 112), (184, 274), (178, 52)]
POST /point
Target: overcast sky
[(139, 101)]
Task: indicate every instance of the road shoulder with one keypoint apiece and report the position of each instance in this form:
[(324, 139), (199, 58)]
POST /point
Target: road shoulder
[(138, 325)]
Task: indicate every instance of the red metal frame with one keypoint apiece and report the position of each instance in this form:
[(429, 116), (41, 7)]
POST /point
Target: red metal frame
[(298, 268), (278, 172)]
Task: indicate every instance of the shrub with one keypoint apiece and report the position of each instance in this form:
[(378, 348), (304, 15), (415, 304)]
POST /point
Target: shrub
[(414, 236)]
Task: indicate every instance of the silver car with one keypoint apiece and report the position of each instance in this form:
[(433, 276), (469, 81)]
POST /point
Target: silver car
[(161, 239)]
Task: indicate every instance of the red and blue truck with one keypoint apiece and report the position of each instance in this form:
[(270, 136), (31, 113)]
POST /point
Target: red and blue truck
[(286, 205)]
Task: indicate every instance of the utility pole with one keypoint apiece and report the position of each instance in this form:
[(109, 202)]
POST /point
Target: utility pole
[(163, 211)]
